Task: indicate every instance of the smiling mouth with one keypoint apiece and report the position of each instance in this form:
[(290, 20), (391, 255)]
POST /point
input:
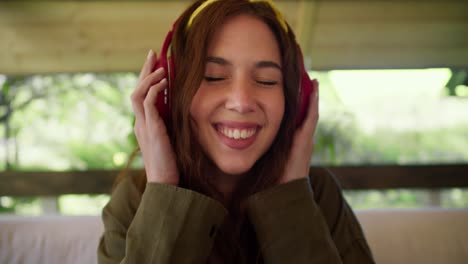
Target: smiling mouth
[(236, 133)]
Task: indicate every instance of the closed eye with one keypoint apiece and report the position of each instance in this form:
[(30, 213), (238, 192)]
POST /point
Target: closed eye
[(213, 79), (268, 83)]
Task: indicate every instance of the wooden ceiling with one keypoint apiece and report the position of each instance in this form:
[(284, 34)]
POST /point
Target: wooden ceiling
[(113, 36)]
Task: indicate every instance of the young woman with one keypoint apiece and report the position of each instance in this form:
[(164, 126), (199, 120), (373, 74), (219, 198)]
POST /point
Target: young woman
[(227, 177)]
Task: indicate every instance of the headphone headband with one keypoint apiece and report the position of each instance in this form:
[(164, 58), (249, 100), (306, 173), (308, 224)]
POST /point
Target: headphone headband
[(279, 15)]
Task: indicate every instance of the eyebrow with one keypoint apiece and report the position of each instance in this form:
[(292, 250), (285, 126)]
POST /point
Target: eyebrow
[(218, 60), (267, 64), (260, 64)]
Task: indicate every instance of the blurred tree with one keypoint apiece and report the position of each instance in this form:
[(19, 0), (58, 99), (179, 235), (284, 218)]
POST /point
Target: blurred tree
[(84, 121), (459, 77), (8, 105), (64, 121), (73, 101)]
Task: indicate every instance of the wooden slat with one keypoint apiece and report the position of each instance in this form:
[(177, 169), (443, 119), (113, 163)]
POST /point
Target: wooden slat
[(305, 28), (90, 36), (51, 183), (391, 34), (391, 176), (351, 178), (110, 36)]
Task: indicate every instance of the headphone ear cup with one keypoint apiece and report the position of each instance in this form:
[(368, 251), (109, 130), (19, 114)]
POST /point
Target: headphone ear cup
[(165, 61), (162, 101), (305, 91)]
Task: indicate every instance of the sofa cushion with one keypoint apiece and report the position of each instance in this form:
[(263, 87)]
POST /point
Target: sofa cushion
[(395, 236), (417, 235), (49, 239)]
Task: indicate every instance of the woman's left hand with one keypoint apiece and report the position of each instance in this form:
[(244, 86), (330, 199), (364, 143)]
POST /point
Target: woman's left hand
[(298, 164)]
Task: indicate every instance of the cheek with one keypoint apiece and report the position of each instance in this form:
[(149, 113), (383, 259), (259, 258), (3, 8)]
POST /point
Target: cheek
[(202, 108), (197, 116), (276, 109), (197, 107)]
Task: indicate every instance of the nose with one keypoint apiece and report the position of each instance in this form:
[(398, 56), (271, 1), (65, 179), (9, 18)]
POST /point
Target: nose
[(241, 96)]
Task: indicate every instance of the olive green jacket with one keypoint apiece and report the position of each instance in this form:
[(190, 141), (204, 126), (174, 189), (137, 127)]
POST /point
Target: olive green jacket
[(303, 221)]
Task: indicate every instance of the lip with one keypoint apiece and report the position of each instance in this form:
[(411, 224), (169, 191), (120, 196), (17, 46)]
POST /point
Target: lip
[(238, 144), (238, 125)]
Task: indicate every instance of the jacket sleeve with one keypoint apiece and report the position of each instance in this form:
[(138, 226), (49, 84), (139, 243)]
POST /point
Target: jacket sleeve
[(295, 225), (166, 224)]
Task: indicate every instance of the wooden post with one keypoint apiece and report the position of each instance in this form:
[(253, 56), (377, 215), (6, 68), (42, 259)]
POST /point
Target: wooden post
[(49, 205), (434, 198)]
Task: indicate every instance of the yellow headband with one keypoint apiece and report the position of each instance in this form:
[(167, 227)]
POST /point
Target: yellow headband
[(279, 16)]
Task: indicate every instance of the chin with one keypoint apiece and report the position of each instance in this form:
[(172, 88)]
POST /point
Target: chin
[(234, 168)]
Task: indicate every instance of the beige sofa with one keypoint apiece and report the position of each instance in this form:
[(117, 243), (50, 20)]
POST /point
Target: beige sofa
[(395, 236)]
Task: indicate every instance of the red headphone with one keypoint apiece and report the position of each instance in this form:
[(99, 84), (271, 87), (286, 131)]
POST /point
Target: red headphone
[(166, 61)]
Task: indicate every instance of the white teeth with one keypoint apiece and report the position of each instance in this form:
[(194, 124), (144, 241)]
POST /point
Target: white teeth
[(243, 133), (237, 133)]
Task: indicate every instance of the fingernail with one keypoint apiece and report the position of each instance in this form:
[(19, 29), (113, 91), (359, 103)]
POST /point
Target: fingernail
[(150, 54), (163, 80), (159, 70)]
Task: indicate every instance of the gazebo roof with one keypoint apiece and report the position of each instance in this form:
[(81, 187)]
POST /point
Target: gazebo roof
[(111, 36)]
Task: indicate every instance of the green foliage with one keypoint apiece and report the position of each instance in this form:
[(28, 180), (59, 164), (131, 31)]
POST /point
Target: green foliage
[(95, 156), (75, 120), (11, 205), (442, 145), (455, 198), (88, 204), (404, 198)]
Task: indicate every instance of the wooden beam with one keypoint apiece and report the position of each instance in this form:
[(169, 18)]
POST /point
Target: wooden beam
[(113, 36), (32, 183), (390, 34), (51, 183), (77, 36), (407, 176), (306, 28)]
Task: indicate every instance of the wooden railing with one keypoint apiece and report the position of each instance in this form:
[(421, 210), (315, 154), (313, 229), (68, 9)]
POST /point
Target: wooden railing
[(48, 183)]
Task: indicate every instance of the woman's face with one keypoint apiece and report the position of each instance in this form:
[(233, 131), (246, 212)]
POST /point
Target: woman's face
[(239, 106)]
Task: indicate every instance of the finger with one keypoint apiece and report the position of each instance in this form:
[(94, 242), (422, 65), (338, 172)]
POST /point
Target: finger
[(139, 132), (136, 96), (144, 85), (151, 112), (138, 110), (148, 65), (150, 80), (141, 92)]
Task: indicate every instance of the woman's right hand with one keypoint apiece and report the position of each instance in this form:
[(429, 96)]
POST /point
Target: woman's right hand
[(150, 130)]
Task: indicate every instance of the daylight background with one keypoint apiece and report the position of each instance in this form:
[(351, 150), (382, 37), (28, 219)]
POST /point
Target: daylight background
[(84, 121)]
